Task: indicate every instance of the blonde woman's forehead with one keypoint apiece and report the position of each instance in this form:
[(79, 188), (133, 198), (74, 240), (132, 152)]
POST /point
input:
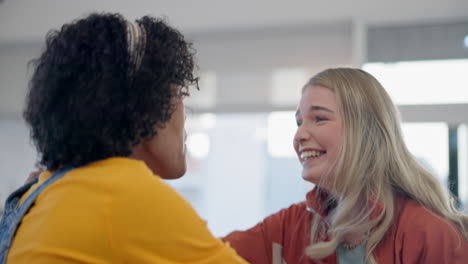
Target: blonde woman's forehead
[(318, 97)]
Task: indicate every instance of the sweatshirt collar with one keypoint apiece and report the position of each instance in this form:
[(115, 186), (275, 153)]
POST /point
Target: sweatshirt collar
[(321, 202)]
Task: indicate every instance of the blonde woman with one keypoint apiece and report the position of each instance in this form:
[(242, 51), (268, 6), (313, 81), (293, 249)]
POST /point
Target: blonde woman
[(373, 203)]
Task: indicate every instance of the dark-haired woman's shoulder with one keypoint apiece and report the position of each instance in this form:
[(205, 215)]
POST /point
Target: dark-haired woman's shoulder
[(422, 236)]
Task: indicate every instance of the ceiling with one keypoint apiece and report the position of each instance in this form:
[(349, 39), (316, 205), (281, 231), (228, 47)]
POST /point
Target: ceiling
[(29, 20)]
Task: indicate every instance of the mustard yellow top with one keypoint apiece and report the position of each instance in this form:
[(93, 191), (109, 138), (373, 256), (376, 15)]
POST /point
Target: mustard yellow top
[(114, 211)]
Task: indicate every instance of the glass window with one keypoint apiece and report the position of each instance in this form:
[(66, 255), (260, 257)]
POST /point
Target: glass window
[(233, 179), (226, 184), (423, 82), (280, 133), (428, 142), (463, 165)]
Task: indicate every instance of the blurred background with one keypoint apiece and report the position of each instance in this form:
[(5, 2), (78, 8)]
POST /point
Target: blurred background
[(254, 57)]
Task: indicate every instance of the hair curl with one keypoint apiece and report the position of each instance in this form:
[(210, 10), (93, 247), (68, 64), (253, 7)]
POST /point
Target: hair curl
[(84, 104)]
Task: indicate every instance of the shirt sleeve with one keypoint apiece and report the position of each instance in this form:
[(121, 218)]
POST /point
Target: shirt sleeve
[(253, 244), (263, 243), (428, 238), (151, 223)]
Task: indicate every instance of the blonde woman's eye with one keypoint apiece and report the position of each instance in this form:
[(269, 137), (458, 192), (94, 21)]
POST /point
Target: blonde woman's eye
[(320, 118)]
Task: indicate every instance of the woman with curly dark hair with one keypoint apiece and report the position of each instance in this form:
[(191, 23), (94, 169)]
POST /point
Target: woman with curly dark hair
[(106, 114)]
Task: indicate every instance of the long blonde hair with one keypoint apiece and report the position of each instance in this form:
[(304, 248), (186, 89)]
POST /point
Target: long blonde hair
[(374, 163)]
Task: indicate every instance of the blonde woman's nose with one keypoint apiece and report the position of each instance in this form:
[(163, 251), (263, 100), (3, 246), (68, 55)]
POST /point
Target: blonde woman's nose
[(301, 134)]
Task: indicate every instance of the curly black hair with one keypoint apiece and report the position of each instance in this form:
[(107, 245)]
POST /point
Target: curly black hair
[(85, 104)]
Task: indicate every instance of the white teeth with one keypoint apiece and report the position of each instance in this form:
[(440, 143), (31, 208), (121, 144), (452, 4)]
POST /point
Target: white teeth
[(310, 154)]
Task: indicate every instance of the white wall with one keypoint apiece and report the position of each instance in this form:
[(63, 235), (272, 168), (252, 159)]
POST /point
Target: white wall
[(294, 46), (14, 76), (31, 19), (243, 61), (17, 156)]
